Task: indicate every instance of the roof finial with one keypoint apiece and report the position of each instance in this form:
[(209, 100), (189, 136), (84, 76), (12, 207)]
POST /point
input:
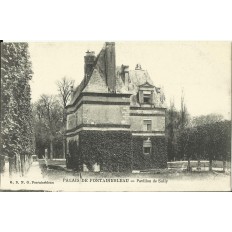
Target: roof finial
[(138, 67)]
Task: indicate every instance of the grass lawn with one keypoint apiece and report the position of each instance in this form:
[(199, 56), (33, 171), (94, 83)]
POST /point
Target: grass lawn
[(59, 172), (61, 179), (217, 165)]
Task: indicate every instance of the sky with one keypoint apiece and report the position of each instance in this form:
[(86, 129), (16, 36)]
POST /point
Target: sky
[(202, 70)]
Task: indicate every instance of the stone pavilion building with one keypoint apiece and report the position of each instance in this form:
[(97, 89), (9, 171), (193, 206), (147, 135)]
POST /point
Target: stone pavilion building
[(116, 117)]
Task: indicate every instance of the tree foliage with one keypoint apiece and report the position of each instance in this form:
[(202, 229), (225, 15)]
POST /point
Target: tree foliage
[(64, 90), (65, 86), (172, 125), (48, 114), (16, 113), (176, 122), (206, 119), (209, 141), (200, 137)]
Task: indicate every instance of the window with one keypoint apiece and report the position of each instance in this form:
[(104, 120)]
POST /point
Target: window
[(147, 125), (147, 150), (147, 147), (147, 98)]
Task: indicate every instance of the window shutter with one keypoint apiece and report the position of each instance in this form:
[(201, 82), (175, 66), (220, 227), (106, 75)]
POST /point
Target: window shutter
[(152, 97), (141, 96)]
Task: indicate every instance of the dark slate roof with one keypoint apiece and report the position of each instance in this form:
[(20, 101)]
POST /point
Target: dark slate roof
[(97, 65), (137, 77)]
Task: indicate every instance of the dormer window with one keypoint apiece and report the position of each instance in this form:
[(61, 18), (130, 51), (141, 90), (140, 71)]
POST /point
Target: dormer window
[(147, 98), (146, 94)]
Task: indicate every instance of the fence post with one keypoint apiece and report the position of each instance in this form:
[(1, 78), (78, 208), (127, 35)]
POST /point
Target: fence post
[(199, 165)]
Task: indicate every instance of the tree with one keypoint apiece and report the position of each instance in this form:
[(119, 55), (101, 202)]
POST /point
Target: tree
[(186, 144), (64, 89), (184, 116), (176, 122), (208, 141), (16, 113), (41, 135), (213, 137), (48, 116), (206, 119), (172, 124), (183, 123), (219, 141)]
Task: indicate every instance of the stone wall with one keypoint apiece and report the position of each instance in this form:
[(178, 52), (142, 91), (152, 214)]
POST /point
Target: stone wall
[(75, 119), (158, 122), (100, 109), (106, 114)]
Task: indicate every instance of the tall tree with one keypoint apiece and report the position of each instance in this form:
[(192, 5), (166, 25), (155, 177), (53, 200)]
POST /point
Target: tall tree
[(186, 144), (176, 123), (16, 114), (184, 116), (183, 123), (49, 114), (64, 88), (172, 123)]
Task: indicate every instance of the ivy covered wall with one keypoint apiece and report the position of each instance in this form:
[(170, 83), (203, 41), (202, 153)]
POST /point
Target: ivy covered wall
[(157, 158), (115, 151), (110, 149)]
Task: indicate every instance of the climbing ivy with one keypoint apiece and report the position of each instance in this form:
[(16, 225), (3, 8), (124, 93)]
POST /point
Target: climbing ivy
[(157, 158), (112, 150), (116, 151)]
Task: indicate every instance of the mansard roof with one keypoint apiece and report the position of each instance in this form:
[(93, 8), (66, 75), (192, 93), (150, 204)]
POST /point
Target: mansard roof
[(97, 80), (140, 77)]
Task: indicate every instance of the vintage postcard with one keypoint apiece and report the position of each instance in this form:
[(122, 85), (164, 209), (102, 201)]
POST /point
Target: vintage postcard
[(115, 116)]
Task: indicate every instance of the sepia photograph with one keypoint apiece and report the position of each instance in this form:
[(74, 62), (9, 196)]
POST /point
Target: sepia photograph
[(115, 116)]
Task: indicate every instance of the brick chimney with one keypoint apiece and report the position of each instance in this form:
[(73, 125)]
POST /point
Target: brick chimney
[(71, 91), (125, 73), (89, 62), (110, 65)]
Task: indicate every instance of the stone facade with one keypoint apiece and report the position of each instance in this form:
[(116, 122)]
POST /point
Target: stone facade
[(116, 118)]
